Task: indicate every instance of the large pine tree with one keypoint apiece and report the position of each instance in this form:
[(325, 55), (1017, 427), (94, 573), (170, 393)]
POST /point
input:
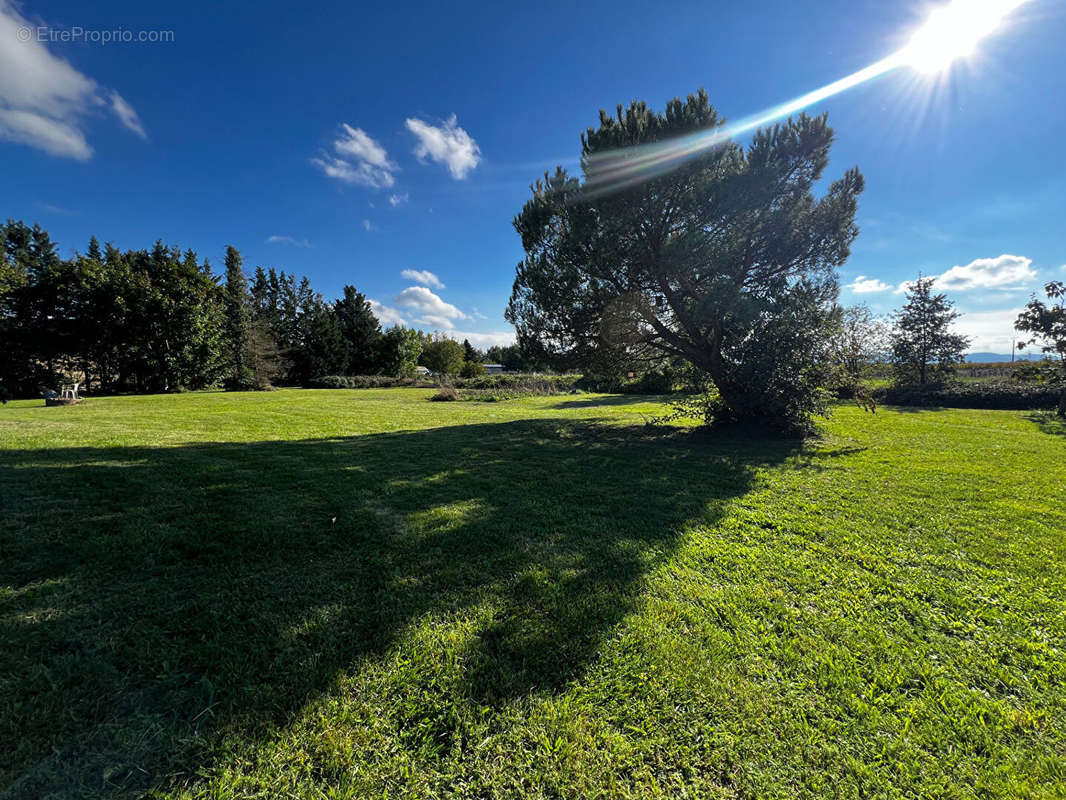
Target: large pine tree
[(681, 243), (237, 323), (361, 330)]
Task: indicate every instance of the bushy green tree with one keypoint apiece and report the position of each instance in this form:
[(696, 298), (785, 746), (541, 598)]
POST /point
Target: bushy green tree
[(142, 320), (470, 353), (20, 371), (924, 347), (399, 351), (471, 369), (702, 258), (1045, 322), (510, 357), (323, 348), (443, 356)]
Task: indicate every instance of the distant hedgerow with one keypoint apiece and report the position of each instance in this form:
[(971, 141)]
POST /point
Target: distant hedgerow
[(366, 382), (1004, 396)]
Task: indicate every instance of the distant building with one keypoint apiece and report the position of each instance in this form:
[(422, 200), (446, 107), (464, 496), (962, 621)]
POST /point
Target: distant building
[(422, 372), (493, 369)]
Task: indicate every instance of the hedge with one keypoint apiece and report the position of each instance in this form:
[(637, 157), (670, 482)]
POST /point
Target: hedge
[(1004, 396), (558, 384), (366, 382)]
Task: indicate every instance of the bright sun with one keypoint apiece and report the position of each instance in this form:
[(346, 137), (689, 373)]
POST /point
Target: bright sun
[(953, 31)]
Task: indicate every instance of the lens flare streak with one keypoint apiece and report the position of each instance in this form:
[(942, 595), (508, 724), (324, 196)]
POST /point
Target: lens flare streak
[(621, 168), (951, 32)]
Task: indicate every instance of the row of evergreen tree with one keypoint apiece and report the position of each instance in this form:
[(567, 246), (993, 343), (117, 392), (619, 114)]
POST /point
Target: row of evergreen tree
[(161, 320)]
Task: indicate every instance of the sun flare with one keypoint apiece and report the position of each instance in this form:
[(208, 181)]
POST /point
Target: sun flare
[(953, 31)]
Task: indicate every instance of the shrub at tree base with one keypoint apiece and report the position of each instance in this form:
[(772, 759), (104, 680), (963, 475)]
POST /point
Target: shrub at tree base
[(1003, 396)]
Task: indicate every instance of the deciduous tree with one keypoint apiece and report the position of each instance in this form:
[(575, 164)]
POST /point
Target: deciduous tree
[(443, 356), (1046, 324)]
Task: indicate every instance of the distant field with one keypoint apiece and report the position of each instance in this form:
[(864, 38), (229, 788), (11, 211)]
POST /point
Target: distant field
[(364, 594)]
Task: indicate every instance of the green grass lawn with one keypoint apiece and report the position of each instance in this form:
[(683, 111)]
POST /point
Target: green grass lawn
[(363, 594)]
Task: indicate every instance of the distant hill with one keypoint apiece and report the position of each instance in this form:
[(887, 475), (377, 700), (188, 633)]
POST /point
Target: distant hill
[(986, 358)]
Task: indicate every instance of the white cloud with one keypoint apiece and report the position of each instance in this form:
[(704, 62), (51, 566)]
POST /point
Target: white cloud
[(398, 199), (423, 277), (276, 239), (51, 135), (864, 285), (446, 144), (432, 310), (436, 322), (127, 116), (368, 225), (365, 161), (989, 331), (386, 316), (1003, 272), (483, 340), (43, 99), (356, 143)]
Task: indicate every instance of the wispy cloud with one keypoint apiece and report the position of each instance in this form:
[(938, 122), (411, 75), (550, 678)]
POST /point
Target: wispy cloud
[(447, 144), (423, 277), (43, 99), (358, 159), (277, 239), (864, 285), (368, 226), (432, 310), (398, 199), (127, 116), (66, 212)]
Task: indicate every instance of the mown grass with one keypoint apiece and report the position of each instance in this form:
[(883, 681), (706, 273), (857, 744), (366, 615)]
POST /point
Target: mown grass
[(364, 594)]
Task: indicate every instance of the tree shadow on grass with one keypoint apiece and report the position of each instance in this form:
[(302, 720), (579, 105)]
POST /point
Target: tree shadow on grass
[(156, 600), (1049, 422), (915, 409), (611, 400)]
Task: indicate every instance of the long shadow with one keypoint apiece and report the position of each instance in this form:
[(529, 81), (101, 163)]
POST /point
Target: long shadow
[(916, 409), (156, 600), (611, 400), (1049, 422)]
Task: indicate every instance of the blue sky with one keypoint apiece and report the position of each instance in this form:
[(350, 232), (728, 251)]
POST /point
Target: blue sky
[(389, 146)]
